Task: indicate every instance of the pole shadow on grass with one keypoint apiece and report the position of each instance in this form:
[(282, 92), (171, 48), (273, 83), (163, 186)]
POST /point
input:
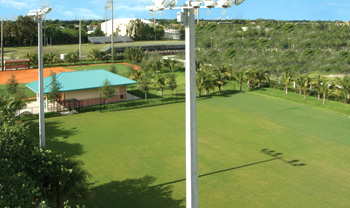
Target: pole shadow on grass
[(54, 130), (272, 153), (275, 154), (134, 193), (220, 171)]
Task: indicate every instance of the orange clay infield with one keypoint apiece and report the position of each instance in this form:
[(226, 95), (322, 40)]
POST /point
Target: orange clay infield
[(31, 75)]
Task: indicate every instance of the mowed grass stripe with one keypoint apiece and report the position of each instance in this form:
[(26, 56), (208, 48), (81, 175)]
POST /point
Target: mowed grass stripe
[(232, 131)]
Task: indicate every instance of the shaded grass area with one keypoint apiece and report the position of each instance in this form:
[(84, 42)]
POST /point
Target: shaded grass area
[(253, 151)]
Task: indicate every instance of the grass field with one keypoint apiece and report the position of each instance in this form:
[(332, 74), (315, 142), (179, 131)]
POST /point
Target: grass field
[(20, 52), (121, 69), (137, 157)]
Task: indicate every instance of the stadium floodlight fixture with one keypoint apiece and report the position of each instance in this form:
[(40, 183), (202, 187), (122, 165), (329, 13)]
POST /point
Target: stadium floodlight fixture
[(238, 2), (186, 16), (225, 3), (210, 4), (172, 3), (39, 13)]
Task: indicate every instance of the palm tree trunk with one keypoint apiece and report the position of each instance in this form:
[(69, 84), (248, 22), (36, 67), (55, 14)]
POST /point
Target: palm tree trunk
[(304, 93), (299, 90), (319, 94), (324, 99), (286, 89), (240, 87), (219, 86), (146, 96)]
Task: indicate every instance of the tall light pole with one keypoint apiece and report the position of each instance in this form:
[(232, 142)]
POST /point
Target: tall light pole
[(80, 42), (186, 16), (2, 45), (112, 36), (38, 15)]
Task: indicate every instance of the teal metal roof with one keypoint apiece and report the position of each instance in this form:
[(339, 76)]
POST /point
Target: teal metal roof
[(81, 80)]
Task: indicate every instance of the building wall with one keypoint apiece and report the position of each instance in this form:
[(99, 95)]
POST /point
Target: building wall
[(121, 24), (91, 97), (91, 93)]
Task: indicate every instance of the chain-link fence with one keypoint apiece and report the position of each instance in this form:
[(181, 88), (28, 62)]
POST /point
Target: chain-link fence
[(135, 98)]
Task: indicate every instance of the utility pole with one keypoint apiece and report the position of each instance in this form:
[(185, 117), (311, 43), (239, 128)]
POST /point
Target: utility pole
[(80, 42), (112, 36), (2, 45)]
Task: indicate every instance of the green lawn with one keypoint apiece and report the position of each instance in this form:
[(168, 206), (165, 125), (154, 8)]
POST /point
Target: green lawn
[(121, 148), (27, 91), (121, 68), (86, 48)]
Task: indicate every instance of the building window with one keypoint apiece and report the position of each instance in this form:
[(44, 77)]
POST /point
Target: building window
[(121, 97)]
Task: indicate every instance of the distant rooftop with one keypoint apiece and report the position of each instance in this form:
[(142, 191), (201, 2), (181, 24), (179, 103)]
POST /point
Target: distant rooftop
[(103, 39), (81, 80)]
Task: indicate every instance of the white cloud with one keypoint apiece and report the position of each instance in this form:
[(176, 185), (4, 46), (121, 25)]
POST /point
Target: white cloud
[(14, 4), (20, 4)]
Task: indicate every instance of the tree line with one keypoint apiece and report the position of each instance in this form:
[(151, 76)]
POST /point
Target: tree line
[(277, 46), (24, 32), (210, 77)]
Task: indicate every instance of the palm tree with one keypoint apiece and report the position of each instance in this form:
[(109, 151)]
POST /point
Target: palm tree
[(300, 81), (344, 87), (219, 79), (306, 84), (261, 75), (317, 82), (250, 77), (239, 77), (159, 81), (156, 66), (229, 72), (142, 84), (172, 64), (286, 79), (95, 54), (66, 178), (200, 82), (136, 75), (324, 89), (198, 65), (171, 81), (208, 82)]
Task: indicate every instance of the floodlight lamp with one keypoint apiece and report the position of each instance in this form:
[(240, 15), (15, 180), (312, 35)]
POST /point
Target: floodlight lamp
[(39, 12), (225, 3), (46, 10), (196, 4), (172, 3), (150, 8), (160, 3), (238, 2), (210, 4)]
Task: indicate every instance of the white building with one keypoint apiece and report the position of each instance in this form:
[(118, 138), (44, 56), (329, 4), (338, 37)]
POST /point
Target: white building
[(172, 34), (120, 26)]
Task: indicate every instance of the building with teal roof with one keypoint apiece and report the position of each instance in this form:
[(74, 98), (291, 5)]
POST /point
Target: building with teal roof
[(83, 87)]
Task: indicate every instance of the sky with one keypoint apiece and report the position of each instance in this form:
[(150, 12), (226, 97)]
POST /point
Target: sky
[(250, 9)]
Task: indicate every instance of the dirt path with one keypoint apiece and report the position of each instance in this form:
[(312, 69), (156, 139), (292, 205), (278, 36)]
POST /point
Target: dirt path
[(31, 75)]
